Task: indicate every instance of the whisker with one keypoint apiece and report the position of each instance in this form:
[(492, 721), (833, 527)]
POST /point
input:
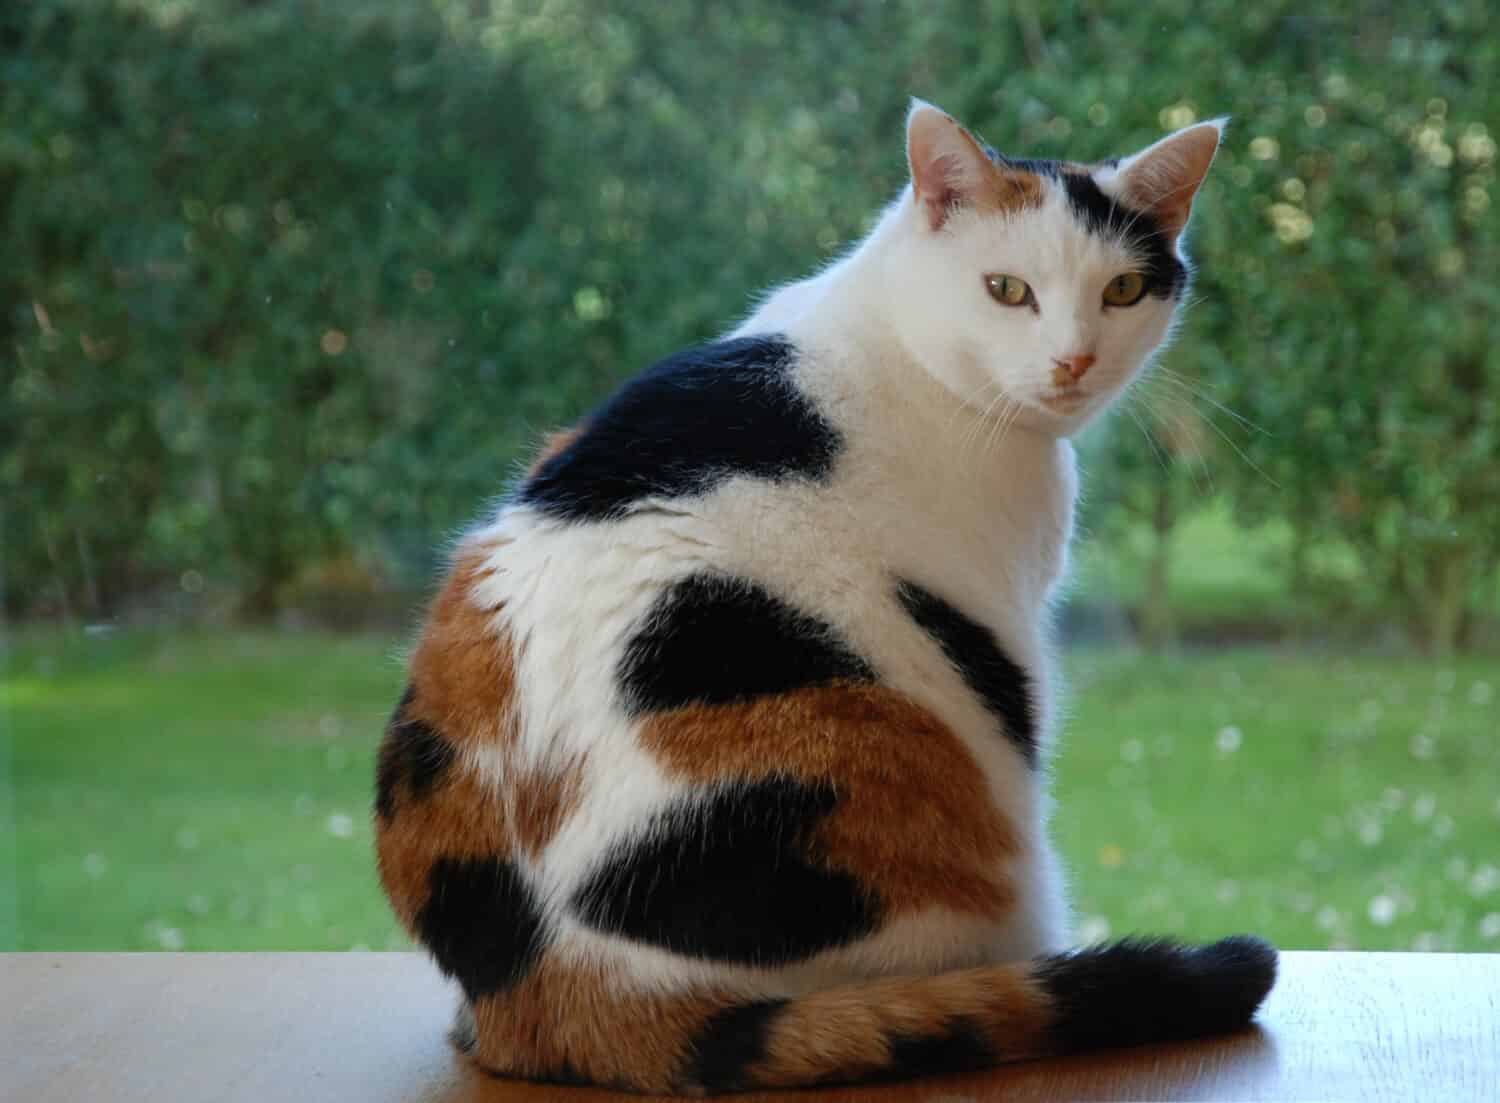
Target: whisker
[(1196, 390)]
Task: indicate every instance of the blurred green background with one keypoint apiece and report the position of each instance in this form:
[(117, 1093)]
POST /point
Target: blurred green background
[(288, 288)]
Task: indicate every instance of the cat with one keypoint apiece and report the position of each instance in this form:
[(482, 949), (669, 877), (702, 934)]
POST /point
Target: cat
[(723, 759)]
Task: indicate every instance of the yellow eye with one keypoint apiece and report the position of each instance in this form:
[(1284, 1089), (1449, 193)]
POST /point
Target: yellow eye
[(1009, 290), (1125, 289)]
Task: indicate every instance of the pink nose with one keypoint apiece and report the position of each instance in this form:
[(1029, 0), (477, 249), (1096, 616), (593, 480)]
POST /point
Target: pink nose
[(1076, 367)]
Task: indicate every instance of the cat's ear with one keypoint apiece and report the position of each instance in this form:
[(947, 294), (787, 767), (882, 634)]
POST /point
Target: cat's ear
[(950, 170), (1164, 177)]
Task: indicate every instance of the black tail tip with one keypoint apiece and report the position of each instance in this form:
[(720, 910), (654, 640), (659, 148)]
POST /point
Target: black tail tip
[(1154, 990)]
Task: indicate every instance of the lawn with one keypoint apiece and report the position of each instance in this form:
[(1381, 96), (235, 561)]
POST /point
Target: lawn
[(211, 791)]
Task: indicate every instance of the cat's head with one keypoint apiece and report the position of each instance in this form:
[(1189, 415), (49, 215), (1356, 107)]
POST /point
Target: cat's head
[(1048, 282)]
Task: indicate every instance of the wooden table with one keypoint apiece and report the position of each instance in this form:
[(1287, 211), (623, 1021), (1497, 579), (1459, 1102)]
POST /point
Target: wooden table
[(370, 1028)]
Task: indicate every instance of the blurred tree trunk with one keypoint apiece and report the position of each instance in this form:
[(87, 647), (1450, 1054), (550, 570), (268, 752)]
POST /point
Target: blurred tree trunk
[(1446, 603), (1158, 629)]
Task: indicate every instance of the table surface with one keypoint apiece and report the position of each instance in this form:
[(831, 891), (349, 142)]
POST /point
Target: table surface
[(370, 1027)]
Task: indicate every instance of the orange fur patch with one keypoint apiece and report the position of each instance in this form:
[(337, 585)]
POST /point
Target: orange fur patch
[(573, 1020), (914, 820), (463, 668), (541, 803), (849, 1029), (1007, 190), (462, 818), (463, 682)]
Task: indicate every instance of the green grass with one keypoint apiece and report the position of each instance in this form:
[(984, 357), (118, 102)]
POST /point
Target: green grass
[(211, 791), (208, 791)]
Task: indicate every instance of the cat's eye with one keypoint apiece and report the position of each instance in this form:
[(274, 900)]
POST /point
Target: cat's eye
[(1125, 289), (1009, 290)]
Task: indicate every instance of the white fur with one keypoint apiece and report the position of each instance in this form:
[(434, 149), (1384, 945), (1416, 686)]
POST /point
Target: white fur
[(955, 474)]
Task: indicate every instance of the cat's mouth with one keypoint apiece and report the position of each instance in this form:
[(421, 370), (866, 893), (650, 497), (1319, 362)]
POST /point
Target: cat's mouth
[(1065, 400)]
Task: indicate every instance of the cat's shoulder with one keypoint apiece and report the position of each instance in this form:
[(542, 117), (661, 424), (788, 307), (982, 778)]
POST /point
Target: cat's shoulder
[(695, 418)]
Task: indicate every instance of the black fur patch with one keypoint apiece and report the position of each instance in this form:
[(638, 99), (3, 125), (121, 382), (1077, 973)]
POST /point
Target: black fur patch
[(972, 648), (1139, 991), (730, 1043), (1140, 231), (684, 425), (962, 1046), (481, 923), (715, 640), (1166, 277), (732, 877), (412, 754)]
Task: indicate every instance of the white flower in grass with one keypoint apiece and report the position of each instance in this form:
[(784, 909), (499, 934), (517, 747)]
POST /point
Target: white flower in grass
[(167, 937), (1484, 880), (1229, 739), (1094, 928), (1382, 910), (339, 825), (1489, 926)]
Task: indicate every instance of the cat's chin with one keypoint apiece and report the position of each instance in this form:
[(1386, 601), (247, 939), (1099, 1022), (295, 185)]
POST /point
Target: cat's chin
[(1058, 415)]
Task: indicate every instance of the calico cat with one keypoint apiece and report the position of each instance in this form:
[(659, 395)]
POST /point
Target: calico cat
[(723, 760)]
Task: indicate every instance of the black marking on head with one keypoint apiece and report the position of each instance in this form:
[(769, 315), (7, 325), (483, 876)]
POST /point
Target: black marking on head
[(718, 639), (730, 1042), (1139, 231), (973, 650), (1139, 991), (1035, 165), (961, 1046), (683, 426), (414, 754), (481, 923), (731, 877)]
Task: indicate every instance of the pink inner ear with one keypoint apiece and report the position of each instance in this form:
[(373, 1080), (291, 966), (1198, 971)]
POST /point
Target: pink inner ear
[(937, 186), (1165, 178)]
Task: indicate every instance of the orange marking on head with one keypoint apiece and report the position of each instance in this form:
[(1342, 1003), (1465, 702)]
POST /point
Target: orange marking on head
[(914, 820), (1007, 190)]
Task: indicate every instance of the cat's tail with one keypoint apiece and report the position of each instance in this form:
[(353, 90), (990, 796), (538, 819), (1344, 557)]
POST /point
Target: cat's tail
[(1126, 993)]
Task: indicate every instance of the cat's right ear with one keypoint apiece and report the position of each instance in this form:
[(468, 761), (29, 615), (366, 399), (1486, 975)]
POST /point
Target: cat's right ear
[(949, 170)]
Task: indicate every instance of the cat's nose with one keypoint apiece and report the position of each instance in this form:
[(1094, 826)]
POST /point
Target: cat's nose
[(1074, 367)]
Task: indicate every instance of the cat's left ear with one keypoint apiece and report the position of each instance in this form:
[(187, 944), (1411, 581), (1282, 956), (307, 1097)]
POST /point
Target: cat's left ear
[(949, 170), (1164, 177)]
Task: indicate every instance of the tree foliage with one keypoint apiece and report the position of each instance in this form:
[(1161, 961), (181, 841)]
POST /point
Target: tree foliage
[(288, 284)]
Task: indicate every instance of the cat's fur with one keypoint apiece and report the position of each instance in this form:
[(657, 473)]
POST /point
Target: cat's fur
[(723, 759)]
